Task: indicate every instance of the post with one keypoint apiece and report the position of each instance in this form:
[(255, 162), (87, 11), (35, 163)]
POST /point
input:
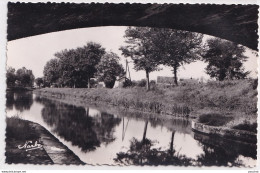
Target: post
[(126, 65), (88, 82)]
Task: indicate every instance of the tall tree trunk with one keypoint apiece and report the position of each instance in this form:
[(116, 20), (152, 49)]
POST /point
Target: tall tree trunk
[(87, 112), (145, 130), (175, 74), (230, 73), (147, 81)]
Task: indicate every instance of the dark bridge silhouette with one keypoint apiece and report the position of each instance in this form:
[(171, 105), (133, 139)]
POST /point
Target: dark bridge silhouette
[(237, 23)]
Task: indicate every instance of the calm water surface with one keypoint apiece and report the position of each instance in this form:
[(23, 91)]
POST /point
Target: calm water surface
[(99, 137)]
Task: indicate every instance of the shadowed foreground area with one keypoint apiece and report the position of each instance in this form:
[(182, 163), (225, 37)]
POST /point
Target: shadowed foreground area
[(49, 151)]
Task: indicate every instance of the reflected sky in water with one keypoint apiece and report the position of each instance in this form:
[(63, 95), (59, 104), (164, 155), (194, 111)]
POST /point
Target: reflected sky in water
[(99, 137)]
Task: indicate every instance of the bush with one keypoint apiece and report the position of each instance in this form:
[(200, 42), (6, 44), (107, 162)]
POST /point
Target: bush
[(214, 119), (134, 83), (247, 126), (255, 84), (152, 82), (141, 83), (153, 85), (127, 83)]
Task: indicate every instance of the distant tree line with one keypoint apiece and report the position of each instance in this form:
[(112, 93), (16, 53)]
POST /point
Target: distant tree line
[(20, 78), (75, 67), (151, 47), (148, 48)]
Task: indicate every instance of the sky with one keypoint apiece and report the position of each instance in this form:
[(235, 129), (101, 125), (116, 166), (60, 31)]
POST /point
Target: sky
[(33, 52)]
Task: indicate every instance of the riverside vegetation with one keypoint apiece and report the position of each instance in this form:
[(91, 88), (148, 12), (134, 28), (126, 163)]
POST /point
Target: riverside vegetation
[(230, 103)]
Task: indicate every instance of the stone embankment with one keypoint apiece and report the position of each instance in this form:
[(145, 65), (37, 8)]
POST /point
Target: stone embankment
[(57, 151), (44, 149), (228, 133)]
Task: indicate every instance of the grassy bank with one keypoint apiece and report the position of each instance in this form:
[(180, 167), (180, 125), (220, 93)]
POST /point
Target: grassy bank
[(236, 100)]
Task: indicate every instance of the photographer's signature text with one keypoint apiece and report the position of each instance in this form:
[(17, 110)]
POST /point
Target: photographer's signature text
[(30, 145)]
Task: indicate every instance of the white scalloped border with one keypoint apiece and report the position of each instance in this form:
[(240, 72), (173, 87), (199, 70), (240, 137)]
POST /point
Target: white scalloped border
[(3, 44)]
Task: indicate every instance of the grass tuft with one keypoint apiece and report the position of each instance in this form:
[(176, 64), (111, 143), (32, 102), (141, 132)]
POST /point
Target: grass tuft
[(247, 126)]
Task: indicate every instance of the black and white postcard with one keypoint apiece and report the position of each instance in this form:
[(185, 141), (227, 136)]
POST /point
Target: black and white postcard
[(131, 84)]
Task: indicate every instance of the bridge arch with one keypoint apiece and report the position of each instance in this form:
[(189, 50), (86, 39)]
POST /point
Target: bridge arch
[(237, 23)]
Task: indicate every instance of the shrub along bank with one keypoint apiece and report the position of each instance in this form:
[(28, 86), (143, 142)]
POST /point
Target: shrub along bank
[(235, 100)]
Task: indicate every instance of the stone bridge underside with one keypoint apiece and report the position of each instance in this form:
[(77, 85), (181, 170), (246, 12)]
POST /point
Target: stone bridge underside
[(237, 23)]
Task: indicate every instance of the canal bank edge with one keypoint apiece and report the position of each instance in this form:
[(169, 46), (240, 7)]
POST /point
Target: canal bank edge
[(56, 150), (233, 134), (142, 105)]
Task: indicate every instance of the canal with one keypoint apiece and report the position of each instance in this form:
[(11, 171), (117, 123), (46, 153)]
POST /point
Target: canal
[(100, 137)]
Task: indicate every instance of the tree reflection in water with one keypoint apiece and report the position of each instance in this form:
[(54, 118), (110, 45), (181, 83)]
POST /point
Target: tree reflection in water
[(216, 152), (142, 153), (221, 152), (104, 125), (74, 124), (22, 100)]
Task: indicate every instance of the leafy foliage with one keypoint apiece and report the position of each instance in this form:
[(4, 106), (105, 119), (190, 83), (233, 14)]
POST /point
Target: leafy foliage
[(177, 48), (225, 60), (39, 81), (140, 47), (10, 77), (150, 47), (108, 69), (74, 67), (51, 72), (78, 65), (24, 76)]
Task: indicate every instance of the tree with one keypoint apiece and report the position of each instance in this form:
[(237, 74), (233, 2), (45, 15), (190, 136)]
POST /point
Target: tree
[(177, 48), (140, 47), (225, 60), (51, 72), (25, 76), (79, 65), (39, 81), (10, 77), (108, 69)]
